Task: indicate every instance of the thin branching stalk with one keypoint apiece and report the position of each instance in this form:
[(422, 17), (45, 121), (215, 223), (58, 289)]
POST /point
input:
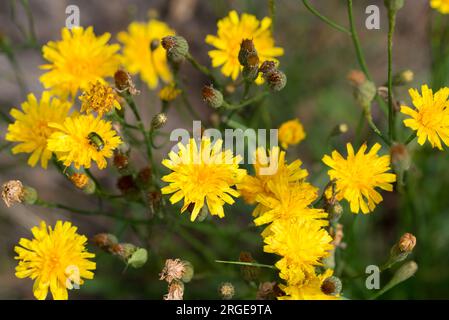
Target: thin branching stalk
[(325, 19), (391, 111)]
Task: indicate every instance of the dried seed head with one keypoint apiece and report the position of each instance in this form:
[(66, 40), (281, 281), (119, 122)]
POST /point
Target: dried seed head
[(124, 82), (175, 291), (176, 269), (407, 242), (227, 290), (212, 97), (331, 286), (127, 185), (267, 291), (158, 121), (12, 192)]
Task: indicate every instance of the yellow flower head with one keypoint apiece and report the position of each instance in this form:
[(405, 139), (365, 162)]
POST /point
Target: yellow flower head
[(291, 132), (431, 117), (78, 59), (309, 290), (231, 31), (358, 176), (204, 174), (440, 5), (251, 187), (142, 52), (83, 139), (31, 127), (55, 259), (302, 243), (99, 98), (169, 92)]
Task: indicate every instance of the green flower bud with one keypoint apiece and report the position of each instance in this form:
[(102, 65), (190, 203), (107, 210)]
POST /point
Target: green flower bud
[(138, 258), (188, 271), (365, 93), (158, 121), (212, 97), (394, 5), (177, 48), (276, 80)]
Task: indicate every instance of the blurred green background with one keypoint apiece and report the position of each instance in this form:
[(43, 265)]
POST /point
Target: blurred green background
[(316, 62)]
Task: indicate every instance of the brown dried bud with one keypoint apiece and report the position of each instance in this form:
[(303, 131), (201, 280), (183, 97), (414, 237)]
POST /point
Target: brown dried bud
[(276, 80), (331, 286), (106, 241), (337, 234), (144, 177), (127, 185), (268, 291), (158, 121), (124, 82), (212, 97), (407, 242), (120, 160), (267, 67), (14, 192), (123, 250), (175, 291), (247, 48), (227, 290)]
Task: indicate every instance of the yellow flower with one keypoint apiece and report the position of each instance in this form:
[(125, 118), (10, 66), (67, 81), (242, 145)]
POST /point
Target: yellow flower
[(431, 117), (231, 31), (288, 200), (309, 290), (251, 187), (169, 92), (99, 98), (142, 52), (31, 127), (78, 59), (358, 176), (291, 132), (83, 139), (302, 243), (207, 174), (440, 5), (55, 259)]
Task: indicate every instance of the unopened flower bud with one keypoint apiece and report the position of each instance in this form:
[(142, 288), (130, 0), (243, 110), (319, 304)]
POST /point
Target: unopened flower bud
[(267, 67), (158, 121), (154, 44), (268, 291), (356, 77), (403, 78), (331, 286), (14, 192), (138, 258), (365, 93), (105, 241), (83, 182), (407, 242), (400, 157), (175, 291), (177, 48), (227, 290), (249, 273), (276, 80), (124, 82), (251, 69), (212, 97), (123, 250), (405, 272), (247, 48)]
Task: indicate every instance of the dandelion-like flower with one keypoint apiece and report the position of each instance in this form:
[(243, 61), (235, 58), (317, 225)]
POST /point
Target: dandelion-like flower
[(31, 126), (232, 30), (357, 176), (99, 98), (83, 139), (202, 175), (430, 119), (77, 60), (56, 259), (291, 133), (268, 168), (440, 5), (142, 52), (302, 243), (311, 289)]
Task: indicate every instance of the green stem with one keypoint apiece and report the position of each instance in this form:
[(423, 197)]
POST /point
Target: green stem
[(356, 41), (245, 103), (410, 138), (391, 112), (331, 23), (272, 11), (32, 34), (251, 264), (373, 126), (202, 69)]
